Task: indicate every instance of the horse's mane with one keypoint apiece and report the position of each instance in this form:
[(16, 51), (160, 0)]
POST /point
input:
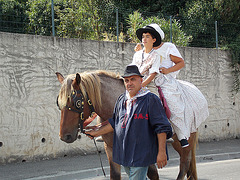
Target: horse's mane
[(90, 85)]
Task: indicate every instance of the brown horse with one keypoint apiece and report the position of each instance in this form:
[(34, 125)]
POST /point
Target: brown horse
[(81, 94)]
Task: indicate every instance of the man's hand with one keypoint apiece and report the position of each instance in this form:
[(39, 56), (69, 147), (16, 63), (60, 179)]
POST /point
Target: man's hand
[(138, 47), (162, 156), (161, 159), (91, 134), (98, 130), (92, 131)]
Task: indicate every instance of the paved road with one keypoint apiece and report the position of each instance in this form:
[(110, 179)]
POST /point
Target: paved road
[(215, 160)]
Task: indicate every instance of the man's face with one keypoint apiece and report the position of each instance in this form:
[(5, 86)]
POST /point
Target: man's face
[(133, 84)]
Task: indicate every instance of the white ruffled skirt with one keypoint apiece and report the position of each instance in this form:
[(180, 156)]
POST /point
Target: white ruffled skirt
[(187, 104)]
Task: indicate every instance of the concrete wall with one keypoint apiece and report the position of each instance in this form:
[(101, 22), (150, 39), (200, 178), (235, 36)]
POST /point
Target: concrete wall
[(29, 117)]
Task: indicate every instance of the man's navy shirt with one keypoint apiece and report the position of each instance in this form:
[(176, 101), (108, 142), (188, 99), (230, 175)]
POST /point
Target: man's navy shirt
[(135, 141)]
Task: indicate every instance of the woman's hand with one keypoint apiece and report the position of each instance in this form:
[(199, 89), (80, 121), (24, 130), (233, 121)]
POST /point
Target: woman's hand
[(138, 47), (164, 70)]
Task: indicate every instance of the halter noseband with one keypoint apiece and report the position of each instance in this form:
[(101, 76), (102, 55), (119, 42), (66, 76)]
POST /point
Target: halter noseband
[(78, 102)]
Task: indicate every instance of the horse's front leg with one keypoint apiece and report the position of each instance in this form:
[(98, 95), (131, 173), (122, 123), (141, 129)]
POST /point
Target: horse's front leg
[(192, 171), (115, 169)]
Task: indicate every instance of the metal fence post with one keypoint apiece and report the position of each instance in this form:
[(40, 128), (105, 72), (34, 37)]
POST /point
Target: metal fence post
[(117, 25), (216, 34), (53, 27), (170, 28)]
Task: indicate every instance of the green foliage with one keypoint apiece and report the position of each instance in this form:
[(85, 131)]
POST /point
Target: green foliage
[(39, 14), (155, 7), (229, 17), (136, 21), (111, 37), (81, 19), (199, 21), (12, 16)]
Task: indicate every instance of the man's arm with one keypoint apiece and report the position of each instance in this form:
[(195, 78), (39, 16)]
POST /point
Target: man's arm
[(162, 156)]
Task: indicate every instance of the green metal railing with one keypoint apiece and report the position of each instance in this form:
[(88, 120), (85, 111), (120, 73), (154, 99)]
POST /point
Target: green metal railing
[(21, 23)]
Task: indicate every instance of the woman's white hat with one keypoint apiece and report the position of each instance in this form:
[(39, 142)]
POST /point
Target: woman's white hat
[(153, 29)]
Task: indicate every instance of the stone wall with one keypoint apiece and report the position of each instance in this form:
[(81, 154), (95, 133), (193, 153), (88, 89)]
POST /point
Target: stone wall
[(29, 117)]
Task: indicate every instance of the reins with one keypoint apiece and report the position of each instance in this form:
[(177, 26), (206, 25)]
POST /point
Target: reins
[(78, 102)]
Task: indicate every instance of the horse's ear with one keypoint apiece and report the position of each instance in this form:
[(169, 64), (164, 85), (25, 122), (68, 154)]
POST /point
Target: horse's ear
[(78, 79), (60, 77)]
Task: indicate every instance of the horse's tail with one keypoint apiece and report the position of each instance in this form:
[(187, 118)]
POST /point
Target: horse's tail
[(193, 168)]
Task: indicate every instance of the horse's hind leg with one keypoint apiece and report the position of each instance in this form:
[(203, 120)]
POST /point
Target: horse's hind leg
[(192, 172), (152, 172)]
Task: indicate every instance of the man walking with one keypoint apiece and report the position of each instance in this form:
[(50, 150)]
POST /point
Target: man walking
[(140, 128)]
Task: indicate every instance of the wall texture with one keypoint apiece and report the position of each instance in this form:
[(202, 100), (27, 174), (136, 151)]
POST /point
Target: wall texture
[(29, 117)]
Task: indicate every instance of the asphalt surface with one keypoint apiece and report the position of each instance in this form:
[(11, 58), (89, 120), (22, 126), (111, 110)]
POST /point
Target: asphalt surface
[(225, 153)]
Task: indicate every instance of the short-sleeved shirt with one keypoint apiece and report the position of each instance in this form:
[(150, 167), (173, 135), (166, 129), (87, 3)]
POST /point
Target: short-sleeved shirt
[(164, 52), (135, 137)]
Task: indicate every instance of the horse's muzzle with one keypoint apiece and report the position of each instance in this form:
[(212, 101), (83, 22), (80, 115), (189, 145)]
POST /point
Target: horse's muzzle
[(68, 138)]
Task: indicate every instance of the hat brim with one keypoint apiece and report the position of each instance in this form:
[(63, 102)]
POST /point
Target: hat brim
[(131, 74), (140, 31)]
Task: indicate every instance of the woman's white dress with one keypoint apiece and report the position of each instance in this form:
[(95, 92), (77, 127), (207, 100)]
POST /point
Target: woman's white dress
[(187, 104)]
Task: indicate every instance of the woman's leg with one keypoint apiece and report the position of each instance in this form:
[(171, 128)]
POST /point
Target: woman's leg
[(183, 140)]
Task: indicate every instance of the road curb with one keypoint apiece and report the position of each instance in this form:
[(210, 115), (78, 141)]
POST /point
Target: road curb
[(208, 158)]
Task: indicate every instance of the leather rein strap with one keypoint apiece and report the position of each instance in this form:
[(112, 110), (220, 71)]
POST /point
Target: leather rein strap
[(78, 102)]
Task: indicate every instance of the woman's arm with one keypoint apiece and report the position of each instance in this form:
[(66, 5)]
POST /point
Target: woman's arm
[(179, 64)]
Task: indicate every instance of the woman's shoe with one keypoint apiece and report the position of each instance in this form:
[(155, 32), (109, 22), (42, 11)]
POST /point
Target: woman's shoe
[(184, 143)]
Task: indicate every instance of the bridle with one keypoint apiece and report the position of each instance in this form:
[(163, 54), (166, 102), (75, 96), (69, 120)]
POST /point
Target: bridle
[(78, 103)]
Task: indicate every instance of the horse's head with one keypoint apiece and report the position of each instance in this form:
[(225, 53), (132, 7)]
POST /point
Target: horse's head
[(74, 105)]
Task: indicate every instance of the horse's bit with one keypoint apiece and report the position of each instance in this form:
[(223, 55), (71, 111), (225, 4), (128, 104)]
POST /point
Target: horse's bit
[(78, 105)]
